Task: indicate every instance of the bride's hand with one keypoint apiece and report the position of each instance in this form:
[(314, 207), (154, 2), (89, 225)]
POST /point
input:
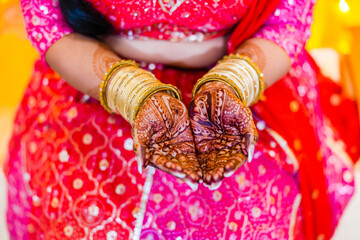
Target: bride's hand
[(163, 138), (224, 131)]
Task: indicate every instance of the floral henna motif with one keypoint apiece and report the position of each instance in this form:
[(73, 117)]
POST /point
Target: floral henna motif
[(163, 138), (254, 52), (103, 58), (224, 131)]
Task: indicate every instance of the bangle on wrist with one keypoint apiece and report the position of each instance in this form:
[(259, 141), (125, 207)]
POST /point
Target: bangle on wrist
[(126, 87), (107, 75), (240, 73)]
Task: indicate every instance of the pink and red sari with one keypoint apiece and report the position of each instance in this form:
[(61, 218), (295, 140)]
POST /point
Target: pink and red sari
[(72, 173)]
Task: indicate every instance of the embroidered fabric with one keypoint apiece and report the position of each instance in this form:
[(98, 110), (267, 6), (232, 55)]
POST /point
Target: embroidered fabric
[(180, 20), (72, 173)]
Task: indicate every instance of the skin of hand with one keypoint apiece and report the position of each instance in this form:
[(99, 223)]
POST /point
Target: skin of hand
[(224, 131), (163, 139)]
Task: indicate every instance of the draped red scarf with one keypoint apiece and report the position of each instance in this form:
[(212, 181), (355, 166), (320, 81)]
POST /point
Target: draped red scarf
[(258, 12), (317, 216)]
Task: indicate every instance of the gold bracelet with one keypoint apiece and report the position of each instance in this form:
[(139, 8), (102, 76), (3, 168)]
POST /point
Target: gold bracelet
[(131, 105), (248, 79), (119, 82), (220, 78), (256, 68), (123, 96), (136, 94), (253, 68), (238, 72), (248, 60), (126, 87), (235, 74), (107, 76)]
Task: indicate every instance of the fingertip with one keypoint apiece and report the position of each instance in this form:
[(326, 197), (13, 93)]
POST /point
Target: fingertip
[(178, 174), (139, 163), (215, 186), (207, 178), (193, 186), (140, 169), (229, 174), (206, 185), (218, 176), (200, 174), (249, 140), (251, 150)]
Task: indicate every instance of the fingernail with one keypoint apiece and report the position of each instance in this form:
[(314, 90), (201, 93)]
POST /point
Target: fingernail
[(206, 185), (229, 174), (208, 177), (215, 186), (139, 163), (251, 150), (216, 177), (179, 175), (193, 186), (247, 143)]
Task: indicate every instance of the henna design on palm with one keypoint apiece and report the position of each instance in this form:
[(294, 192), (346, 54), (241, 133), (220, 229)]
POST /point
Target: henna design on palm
[(163, 139), (224, 131)]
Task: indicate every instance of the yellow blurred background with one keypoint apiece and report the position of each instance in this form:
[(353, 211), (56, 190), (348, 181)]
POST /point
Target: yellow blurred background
[(336, 26)]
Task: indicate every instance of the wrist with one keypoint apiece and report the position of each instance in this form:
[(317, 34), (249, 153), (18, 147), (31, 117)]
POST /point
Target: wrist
[(239, 73), (126, 87), (215, 85)]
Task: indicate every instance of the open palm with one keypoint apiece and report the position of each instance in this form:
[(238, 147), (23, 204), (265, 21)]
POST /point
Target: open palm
[(224, 131), (163, 138)]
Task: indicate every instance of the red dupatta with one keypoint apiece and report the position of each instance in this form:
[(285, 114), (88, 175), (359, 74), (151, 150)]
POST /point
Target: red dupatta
[(317, 219), (258, 12)]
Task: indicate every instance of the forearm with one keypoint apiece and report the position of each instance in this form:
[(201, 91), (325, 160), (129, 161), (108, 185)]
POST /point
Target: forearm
[(81, 61), (272, 60)]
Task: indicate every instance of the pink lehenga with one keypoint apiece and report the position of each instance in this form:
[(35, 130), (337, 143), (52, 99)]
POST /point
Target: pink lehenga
[(72, 173)]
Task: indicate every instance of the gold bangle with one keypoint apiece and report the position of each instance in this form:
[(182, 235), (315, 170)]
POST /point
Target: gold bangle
[(260, 84), (113, 70), (211, 77), (136, 95), (120, 92), (121, 97), (254, 65), (118, 83), (107, 76), (139, 89), (170, 89), (247, 59), (248, 71), (235, 74)]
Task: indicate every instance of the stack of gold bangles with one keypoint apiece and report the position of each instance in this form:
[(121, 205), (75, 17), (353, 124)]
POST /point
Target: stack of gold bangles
[(240, 73), (126, 87)]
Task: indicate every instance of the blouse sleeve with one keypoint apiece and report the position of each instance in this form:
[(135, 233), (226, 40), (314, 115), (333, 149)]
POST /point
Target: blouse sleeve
[(289, 26), (44, 23)]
